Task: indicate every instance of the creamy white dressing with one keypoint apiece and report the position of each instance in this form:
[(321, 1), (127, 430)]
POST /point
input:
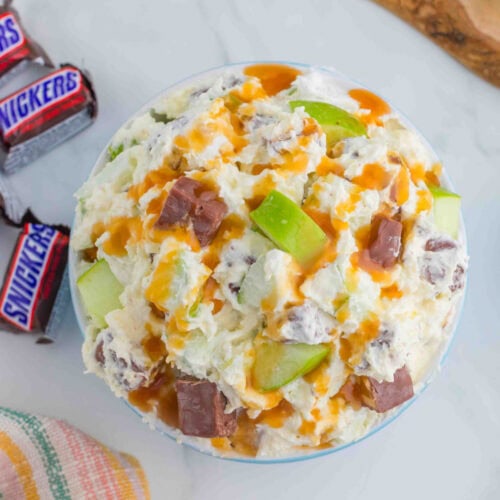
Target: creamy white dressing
[(219, 345)]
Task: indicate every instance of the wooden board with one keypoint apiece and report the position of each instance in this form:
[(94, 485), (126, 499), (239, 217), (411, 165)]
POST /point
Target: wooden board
[(469, 30)]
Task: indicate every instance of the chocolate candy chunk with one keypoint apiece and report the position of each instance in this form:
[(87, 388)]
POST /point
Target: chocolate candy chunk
[(458, 279), (386, 246), (438, 245), (378, 396), (34, 292), (129, 367), (433, 271), (99, 353), (383, 396), (17, 50), (189, 199), (180, 202), (41, 115), (201, 409), (351, 392), (208, 216)]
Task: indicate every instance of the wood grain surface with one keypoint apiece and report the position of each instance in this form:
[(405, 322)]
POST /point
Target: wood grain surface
[(469, 30)]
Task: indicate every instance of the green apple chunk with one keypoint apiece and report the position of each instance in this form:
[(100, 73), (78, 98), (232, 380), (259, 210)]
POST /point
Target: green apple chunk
[(100, 291), (254, 286), (277, 364), (289, 227), (446, 210), (337, 124)]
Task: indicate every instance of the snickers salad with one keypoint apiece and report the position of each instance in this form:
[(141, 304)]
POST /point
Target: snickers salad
[(268, 261)]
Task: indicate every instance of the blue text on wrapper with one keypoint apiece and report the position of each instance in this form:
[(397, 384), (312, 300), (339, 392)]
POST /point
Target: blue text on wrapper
[(11, 35), (35, 98), (20, 294)]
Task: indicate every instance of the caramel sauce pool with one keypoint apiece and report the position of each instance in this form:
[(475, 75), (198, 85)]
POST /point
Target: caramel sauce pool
[(154, 347), (374, 176), (122, 231), (371, 102), (276, 416), (160, 395), (273, 77)]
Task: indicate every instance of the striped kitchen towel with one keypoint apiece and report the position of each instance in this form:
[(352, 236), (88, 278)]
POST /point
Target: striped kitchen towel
[(44, 458)]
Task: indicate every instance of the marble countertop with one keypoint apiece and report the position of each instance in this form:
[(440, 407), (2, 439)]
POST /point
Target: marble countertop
[(446, 445)]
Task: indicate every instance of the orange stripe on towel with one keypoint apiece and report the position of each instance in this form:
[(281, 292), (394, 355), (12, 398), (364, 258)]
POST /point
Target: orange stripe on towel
[(21, 465), (14, 488), (125, 488), (140, 474)]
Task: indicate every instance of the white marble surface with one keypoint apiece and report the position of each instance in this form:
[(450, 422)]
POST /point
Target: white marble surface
[(447, 445)]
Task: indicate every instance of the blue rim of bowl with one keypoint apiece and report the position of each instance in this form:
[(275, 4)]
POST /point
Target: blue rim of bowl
[(174, 434)]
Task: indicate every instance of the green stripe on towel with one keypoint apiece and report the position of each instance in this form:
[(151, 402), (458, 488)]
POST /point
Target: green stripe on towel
[(34, 428)]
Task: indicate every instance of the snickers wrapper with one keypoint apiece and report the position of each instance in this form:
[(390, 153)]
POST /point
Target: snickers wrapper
[(17, 49), (35, 291), (43, 114)]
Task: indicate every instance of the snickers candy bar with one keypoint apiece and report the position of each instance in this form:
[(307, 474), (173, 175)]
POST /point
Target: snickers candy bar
[(201, 409), (386, 247), (34, 292), (378, 396), (43, 114), (16, 49), (190, 199)]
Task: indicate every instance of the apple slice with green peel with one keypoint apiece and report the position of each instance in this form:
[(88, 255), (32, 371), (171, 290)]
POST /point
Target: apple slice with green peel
[(446, 210), (289, 227), (100, 291), (277, 364), (337, 124)]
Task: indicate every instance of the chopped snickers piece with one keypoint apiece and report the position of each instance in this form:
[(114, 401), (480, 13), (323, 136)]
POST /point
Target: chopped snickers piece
[(433, 271), (434, 268), (208, 216), (201, 409), (130, 369), (180, 202), (458, 279), (188, 199), (438, 245), (378, 396), (386, 246), (383, 396), (351, 393), (99, 353)]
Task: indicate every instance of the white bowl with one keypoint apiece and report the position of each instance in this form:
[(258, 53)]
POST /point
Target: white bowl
[(202, 445)]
